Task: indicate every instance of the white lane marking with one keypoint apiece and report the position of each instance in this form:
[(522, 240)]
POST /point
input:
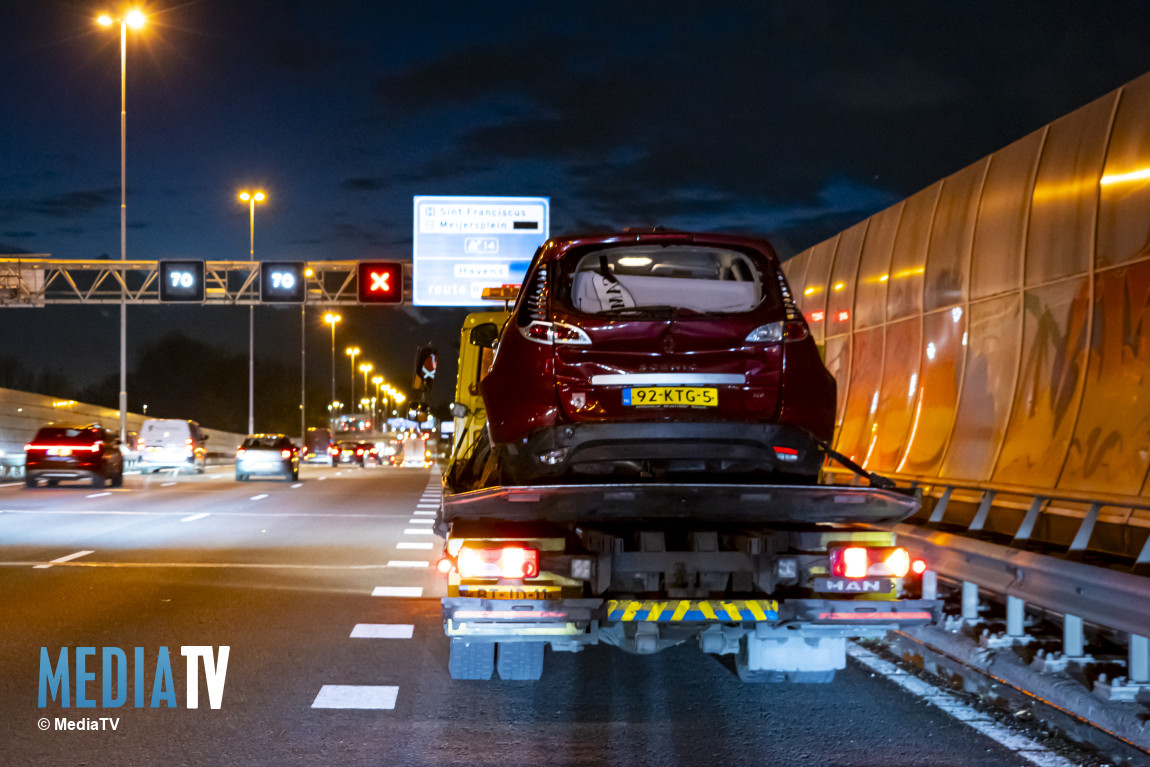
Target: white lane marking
[(397, 591), (382, 631), (321, 479), (423, 513), (167, 484), (338, 473), (61, 560), (414, 521), (259, 497), (422, 545), (194, 517), (297, 484), (427, 505), (407, 563), (12, 484), (99, 495), (1026, 748), (371, 696), (418, 531)]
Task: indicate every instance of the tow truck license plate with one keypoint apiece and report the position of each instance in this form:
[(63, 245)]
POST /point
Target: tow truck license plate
[(664, 396), (503, 592)]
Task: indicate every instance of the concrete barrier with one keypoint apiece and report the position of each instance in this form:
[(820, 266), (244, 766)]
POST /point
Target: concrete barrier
[(23, 413)]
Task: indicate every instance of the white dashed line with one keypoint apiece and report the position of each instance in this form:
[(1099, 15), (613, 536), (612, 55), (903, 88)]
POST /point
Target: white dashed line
[(418, 531), (194, 517), (297, 484), (414, 521), (98, 495), (382, 631), (321, 479), (12, 484), (167, 484), (61, 560), (259, 497), (407, 563), (397, 591), (1026, 748), (423, 513), (356, 696), (414, 545)]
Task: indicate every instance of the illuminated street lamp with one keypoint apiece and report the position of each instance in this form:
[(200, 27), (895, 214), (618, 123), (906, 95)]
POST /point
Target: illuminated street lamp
[(365, 368), (134, 19), (352, 351), (252, 198), (331, 319), (377, 380)]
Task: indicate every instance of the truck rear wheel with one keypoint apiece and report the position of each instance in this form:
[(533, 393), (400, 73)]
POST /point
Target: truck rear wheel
[(520, 660), (471, 661)]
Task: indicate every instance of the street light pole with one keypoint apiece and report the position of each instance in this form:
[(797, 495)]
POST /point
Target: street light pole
[(252, 199), (133, 19), (331, 319), (352, 351)]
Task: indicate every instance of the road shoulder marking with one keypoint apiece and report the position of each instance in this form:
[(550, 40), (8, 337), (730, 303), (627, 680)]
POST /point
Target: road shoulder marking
[(61, 560)]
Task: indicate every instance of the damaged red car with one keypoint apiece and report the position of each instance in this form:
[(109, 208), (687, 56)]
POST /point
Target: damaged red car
[(657, 355)]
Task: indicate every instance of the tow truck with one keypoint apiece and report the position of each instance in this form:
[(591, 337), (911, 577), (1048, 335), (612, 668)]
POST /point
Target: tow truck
[(778, 576)]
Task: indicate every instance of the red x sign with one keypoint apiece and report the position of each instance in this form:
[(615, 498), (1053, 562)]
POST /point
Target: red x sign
[(380, 282)]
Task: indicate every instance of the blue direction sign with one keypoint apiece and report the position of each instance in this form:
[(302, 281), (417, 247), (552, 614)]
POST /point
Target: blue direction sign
[(465, 244)]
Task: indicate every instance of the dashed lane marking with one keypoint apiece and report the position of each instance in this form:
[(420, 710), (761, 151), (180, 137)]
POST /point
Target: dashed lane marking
[(416, 521), (414, 545), (1028, 749), (362, 696), (418, 531), (12, 484), (99, 495), (168, 484), (383, 631), (297, 484), (407, 563), (259, 497), (62, 560), (397, 591), (423, 513), (194, 517)]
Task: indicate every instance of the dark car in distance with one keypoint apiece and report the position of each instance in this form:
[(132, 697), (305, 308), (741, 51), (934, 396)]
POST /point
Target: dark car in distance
[(90, 453), (655, 354)]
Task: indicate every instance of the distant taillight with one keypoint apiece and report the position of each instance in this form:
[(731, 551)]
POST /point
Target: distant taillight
[(333, 450), (504, 562), (285, 453), (918, 566), (239, 452), (359, 451)]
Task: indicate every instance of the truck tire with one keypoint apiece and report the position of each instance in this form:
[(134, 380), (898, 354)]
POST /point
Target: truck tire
[(471, 661), (811, 677), (521, 661)]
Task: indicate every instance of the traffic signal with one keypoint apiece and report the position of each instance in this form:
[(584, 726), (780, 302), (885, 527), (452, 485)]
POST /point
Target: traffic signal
[(182, 281), (380, 282), (282, 282)]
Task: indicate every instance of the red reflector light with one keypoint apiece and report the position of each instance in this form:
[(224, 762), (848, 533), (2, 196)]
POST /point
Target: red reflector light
[(506, 562), (861, 562), (444, 565), (918, 566), (818, 316)]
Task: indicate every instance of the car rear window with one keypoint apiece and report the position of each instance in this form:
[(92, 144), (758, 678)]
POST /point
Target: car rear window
[(703, 279), (66, 436), (264, 442)]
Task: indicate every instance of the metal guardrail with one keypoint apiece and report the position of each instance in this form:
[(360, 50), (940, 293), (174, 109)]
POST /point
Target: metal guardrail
[(39, 280)]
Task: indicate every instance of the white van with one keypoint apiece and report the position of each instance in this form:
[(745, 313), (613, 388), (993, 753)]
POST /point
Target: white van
[(171, 443)]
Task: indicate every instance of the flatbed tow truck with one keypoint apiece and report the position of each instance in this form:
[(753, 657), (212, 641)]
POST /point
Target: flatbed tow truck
[(779, 576)]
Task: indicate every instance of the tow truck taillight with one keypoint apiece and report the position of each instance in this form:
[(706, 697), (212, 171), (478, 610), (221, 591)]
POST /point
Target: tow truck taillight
[(861, 562), (504, 562), (285, 453)]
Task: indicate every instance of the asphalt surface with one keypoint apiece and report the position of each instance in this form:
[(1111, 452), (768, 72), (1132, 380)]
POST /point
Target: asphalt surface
[(283, 573)]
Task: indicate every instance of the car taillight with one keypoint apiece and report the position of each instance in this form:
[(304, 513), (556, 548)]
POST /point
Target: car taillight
[(860, 562), (240, 452), (542, 332), (140, 444), (774, 332), (285, 453), (359, 451), (504, 562), (333, 450), (188, 441)]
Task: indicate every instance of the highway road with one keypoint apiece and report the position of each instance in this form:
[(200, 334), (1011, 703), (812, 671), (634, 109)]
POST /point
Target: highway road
[(324, 591)]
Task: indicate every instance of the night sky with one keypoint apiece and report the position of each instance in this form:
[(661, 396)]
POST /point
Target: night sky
[(790, 120)]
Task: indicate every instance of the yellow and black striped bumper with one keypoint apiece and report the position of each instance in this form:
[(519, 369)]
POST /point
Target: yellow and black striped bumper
[(689, 611)]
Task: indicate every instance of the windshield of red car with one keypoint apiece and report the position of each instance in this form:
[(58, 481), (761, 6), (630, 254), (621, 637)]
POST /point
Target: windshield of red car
[(665, 278), (66, 436)]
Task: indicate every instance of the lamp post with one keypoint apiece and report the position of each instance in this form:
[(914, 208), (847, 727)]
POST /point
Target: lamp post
[(377, 380), (352, 351), (365, 368), (331, 319), (134, 19), (252, 199)]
